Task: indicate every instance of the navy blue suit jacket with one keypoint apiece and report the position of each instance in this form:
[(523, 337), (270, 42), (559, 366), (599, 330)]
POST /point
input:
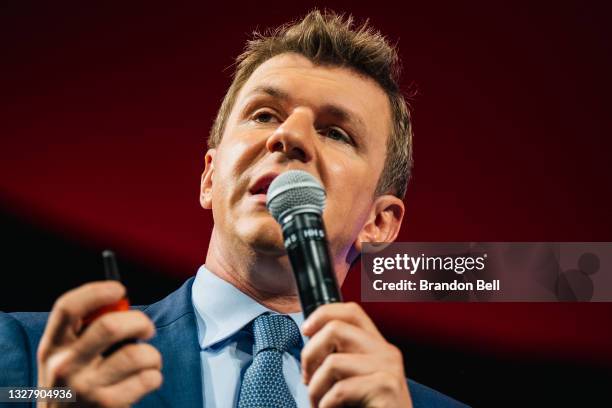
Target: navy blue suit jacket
[(176, 339)]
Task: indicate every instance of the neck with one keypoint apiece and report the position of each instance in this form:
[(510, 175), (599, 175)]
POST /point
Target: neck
[(266, 278)]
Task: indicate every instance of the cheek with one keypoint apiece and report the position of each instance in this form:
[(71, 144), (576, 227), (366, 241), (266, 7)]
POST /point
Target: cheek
[(349, 200), (236, 154), (351, 180), (242, 147), (343, 224)]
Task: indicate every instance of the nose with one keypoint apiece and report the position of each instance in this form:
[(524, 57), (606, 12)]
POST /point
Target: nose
[(294, 137)]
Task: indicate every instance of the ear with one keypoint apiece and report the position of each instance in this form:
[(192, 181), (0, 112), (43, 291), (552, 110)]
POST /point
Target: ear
[(383, 224), (206, 184)]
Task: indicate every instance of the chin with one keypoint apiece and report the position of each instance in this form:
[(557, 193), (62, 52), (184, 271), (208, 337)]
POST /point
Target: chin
[(264, 236)]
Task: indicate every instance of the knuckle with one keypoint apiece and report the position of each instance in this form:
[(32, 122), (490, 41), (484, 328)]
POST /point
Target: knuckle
[(150, 379), (158, 361), (98, 286), (309, 353), (113, 285), (332, 362), (334, 326), (149, 325), (104, 399), (312, 393), (63, 306), (42, 352), (304, 354), (134, 354), (334, 339), (306, 360), (354, 307), (57, 368), (139, 314), (79, 385), (395, 352), (143, 320), (108, 326), (339, 392), (321, 314), (91, 286), (55, 374), (307, 369), (387, 381), (143, 355)]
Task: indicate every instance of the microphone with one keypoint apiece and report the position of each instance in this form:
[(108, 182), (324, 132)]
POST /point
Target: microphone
[(296, 200)]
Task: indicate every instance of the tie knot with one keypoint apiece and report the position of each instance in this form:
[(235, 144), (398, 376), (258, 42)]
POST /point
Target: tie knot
[(275, 331)]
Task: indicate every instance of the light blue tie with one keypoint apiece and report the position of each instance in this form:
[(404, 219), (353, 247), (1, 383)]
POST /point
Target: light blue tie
[(263, 384)]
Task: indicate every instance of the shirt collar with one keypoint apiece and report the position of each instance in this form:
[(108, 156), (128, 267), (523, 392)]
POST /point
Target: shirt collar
[(222, 310)]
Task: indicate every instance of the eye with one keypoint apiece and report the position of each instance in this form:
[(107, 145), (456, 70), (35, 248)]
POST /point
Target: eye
[(263, 117), (336, 133)]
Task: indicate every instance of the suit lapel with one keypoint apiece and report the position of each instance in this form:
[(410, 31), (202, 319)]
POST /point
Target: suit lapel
[(177, 340)]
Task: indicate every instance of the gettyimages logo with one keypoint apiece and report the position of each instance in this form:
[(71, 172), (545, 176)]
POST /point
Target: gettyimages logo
[(411, 264)]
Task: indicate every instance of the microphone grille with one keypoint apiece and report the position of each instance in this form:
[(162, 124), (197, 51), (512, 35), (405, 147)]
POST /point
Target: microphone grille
[(293, 192)]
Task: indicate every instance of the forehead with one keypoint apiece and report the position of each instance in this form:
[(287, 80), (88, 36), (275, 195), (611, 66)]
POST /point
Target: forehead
[(309, 84)]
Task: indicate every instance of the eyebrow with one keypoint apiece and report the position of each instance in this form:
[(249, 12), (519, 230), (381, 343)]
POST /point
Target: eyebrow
[(338, 113), (271, 91)]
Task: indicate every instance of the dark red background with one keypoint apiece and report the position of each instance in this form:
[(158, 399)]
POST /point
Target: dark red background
[(106, 108)]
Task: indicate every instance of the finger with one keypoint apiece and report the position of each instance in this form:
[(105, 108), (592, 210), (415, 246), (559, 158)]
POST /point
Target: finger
[(110, 329), (54, 367), (130, 390), (336, 336), (337, 367), (377, 389), (74, 305), (349, 312), (125, 362)]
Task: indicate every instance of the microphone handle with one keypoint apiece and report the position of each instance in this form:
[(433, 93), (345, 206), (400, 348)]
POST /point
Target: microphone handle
[(306, 244)]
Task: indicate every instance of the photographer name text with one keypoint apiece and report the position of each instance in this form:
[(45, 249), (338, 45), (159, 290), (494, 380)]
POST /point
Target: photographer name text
[(425, 285)]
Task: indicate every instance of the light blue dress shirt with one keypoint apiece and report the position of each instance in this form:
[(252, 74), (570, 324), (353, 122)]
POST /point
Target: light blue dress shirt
[(222, 312)]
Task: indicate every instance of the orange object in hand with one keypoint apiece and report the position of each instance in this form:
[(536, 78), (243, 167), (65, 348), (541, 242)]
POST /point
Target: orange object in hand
[(119, 306)]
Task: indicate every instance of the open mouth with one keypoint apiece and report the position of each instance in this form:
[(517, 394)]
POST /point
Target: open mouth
[(261, 185)]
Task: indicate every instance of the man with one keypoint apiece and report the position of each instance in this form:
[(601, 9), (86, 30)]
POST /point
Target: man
[(318, 96)]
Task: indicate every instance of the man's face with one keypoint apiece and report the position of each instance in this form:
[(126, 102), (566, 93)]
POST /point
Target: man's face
[(292, 114)]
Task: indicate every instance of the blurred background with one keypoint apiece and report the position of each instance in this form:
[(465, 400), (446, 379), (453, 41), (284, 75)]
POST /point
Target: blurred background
[(105, 108)]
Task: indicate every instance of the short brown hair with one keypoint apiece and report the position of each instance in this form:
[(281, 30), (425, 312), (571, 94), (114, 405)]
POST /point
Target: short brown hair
[(327, 38)]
